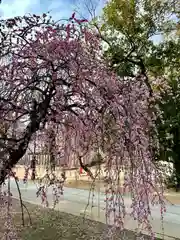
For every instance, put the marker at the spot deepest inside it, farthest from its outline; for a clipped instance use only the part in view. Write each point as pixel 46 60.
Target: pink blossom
pixel 59 84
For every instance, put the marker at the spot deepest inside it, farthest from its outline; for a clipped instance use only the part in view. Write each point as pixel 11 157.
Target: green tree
pixel 131 27
pixel 143 37
pixel 168 124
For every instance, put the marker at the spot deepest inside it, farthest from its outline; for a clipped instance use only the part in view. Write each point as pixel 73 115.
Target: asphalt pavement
pixel 76 201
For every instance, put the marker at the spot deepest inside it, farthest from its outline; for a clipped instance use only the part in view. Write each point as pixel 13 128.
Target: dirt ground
pixel 54 225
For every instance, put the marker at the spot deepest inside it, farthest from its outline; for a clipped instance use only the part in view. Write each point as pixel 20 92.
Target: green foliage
pixel 131 29
pixel 169 125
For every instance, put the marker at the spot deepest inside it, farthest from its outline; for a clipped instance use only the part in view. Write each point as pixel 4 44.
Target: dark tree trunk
pixel 176 149
pixel 52 139
pixel 37 115
pixel 178 187
pixel 177 174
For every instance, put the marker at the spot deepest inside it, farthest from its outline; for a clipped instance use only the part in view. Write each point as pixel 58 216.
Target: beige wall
pixel 70 174
pixel 73 174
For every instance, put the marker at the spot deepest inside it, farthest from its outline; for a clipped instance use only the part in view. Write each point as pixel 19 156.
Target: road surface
pixel 75 201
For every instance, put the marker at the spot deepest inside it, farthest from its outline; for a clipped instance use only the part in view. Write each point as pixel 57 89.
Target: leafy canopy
pixel 132 28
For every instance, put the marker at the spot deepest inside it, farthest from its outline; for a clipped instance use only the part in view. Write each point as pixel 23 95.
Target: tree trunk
pixel 177 174
pixel 176 150
pixel 37 115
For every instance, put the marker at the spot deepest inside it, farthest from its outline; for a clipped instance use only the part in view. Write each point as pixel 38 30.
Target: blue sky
pixel 59 8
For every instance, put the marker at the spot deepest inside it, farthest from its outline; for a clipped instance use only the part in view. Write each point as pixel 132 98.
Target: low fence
pixel 75 174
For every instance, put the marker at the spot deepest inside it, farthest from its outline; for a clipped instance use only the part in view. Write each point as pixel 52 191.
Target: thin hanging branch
pixel 21 202
pixel 20 198
pixel 30 219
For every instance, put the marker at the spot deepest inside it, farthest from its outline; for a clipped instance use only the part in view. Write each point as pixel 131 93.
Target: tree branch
pixel 38 114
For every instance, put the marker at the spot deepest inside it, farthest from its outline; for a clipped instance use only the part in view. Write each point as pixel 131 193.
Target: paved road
pixel 75 201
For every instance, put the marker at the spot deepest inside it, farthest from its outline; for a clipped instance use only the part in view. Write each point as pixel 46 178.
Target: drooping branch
pixel 92 163
pixel 85 168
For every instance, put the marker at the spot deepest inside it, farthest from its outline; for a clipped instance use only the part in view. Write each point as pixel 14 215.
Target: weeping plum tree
pixel 53 77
